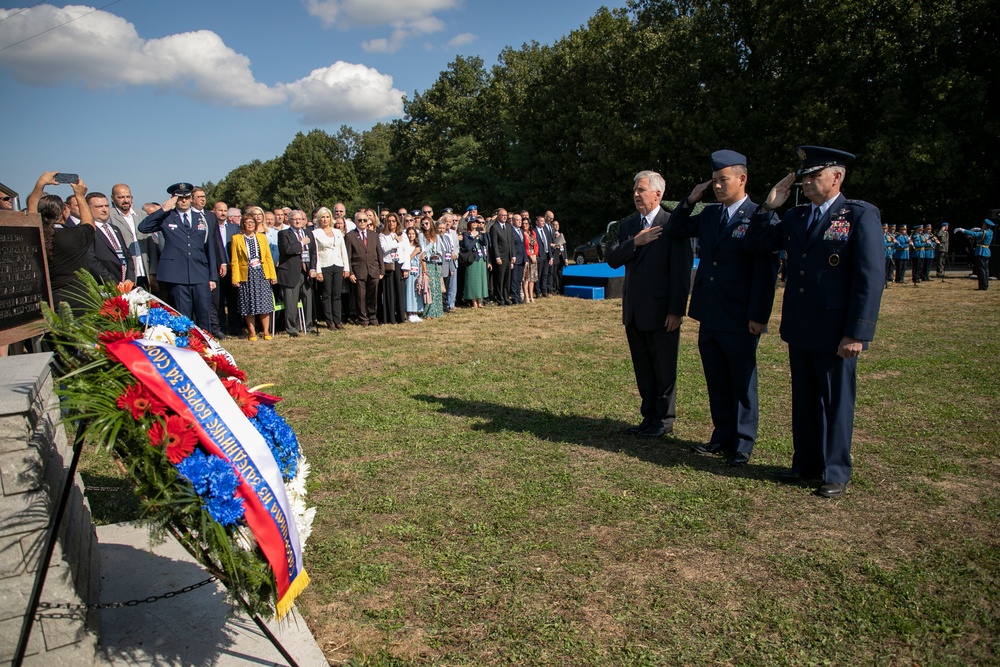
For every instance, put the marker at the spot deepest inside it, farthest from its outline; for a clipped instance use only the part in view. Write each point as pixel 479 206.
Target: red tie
pixel 364 239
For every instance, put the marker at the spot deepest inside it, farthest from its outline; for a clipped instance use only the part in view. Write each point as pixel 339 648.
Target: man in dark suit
pixel 836 271
pixel 657 280
pixel 225 297
pixel 188 256
pixel 296 271
pixel 365 257
pixel 111 261
pixel 546 253
pixel 502 255
pixel 520 257
pixel 732 298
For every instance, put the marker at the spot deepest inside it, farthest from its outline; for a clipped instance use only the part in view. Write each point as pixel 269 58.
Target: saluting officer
pixel 185 264
pixel 834 287
pixel 732 298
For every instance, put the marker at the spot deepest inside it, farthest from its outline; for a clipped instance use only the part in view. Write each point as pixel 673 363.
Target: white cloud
pixel 343 92
pixel 102 50
pixel 352 13
pixel 408 18
pixel 462 39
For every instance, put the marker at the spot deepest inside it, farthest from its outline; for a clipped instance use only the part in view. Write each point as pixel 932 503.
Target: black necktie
pixel 815 219
pixel 725 217
pixel 187 221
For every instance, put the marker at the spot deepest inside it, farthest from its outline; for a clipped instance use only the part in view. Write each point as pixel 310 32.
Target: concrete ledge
pixel 196 628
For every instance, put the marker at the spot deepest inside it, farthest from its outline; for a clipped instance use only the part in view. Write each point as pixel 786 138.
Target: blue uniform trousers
pixel 193 301
pixel 730 363
pixel 824 387
pixel 654 360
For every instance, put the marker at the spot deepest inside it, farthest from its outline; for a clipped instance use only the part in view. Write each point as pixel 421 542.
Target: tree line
pixel 911 87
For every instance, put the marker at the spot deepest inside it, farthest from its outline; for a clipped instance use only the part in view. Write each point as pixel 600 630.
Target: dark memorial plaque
pixel 24 284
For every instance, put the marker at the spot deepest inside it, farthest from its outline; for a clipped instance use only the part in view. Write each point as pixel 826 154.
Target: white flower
pixel 245 538
pixel 295 489
pixel 160 333
pixel 138 302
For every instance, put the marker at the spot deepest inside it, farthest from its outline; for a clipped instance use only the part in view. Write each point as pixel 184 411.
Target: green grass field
pixel 479 504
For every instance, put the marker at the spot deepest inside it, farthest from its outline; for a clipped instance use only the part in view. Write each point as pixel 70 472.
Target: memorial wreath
pixel 211 460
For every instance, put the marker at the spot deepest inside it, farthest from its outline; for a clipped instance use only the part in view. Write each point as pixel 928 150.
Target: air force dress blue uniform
pixel 187 260
pixel 833 290
pixel 732 287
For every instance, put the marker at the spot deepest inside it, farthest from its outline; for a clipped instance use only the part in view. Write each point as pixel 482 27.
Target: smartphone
pixel 67 178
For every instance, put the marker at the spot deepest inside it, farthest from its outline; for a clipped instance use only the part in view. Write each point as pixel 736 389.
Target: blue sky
pixel 150 93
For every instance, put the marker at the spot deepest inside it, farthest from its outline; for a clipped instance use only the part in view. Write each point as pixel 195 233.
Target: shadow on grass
pixel 605 434
pixel 111 498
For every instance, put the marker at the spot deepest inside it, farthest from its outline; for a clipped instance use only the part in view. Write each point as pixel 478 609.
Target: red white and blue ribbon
pixel 181 379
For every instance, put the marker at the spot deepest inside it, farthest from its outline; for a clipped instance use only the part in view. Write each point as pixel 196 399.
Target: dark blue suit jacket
pixel 732 285
pixel 657 275
pixel 520 256
pixel 187 257
pixel 835 273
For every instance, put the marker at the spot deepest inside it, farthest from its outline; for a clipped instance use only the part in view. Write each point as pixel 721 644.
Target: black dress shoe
pixel 218 335
pixel 708 449
pixel 654 430
pixel 293 334
pixel 791 476
pixel 635 430
pixel 738 459
pixel 832 490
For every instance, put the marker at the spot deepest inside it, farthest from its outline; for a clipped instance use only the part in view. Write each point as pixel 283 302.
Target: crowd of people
pixel 236 271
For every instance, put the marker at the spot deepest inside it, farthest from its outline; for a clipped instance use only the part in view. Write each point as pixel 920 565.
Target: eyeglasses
pixel 5 198
pixel 360 219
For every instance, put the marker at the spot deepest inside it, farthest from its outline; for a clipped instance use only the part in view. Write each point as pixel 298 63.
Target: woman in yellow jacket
pixel 253 274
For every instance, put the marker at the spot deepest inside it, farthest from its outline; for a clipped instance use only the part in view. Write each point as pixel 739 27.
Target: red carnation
pixel 267 399
pixel 196 344
pixel 243 397
pixel 225 368
pixel 140 402
pixel 177 436
pixel 108 337
pixel 115 308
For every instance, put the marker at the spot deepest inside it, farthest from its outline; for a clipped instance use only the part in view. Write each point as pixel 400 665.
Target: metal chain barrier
pixel 115 605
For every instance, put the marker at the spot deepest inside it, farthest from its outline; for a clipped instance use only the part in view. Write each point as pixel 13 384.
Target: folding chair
pixel 280 307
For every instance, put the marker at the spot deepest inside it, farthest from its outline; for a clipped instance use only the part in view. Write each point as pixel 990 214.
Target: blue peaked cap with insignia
pixel 989 223
pixel 180 190
pixel 817 158
pixel 727 158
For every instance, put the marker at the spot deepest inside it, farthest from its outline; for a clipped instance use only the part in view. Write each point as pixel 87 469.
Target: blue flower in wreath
pixel 215 482
pixel 281 439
